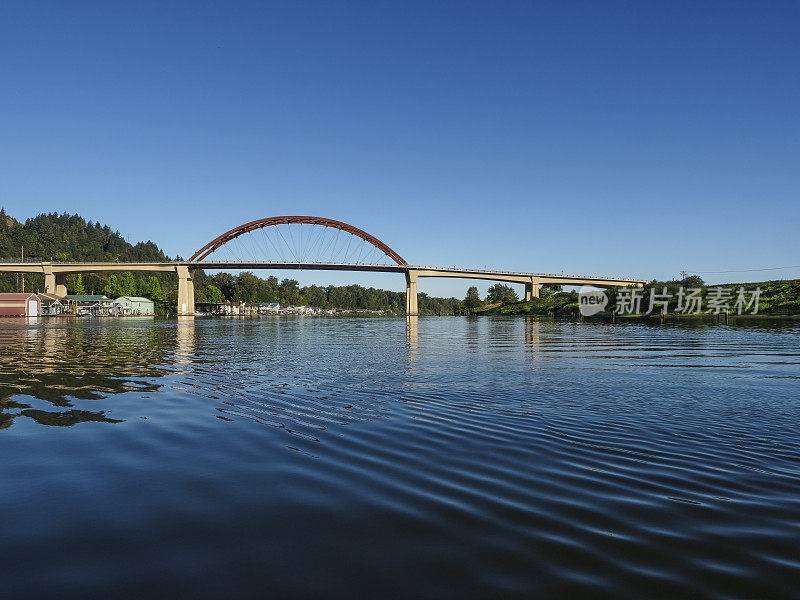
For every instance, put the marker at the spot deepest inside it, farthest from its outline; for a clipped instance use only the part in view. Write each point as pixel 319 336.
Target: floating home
pixel 133 306
pixel 51 304
pixel 88 304
pixel 20 305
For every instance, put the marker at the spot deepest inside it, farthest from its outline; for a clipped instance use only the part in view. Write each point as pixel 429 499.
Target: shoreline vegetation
pixel 66 237
pixel 778 299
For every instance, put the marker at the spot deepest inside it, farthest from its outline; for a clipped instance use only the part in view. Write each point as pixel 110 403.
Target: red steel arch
pixel 269 221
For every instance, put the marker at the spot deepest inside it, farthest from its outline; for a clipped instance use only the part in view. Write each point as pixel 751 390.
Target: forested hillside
pixel 65 237
pixel 61 237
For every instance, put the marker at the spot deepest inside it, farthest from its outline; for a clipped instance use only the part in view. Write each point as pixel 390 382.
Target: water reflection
pixel 185 336
pixel 532 331
pixel 625 461
pixel 412 336
pixel 56 364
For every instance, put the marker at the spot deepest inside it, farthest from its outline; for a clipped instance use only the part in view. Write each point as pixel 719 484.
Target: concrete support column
pixel 411 293
pixel 61 284
pixel 532 289
pixel 49 278
pixel 185 291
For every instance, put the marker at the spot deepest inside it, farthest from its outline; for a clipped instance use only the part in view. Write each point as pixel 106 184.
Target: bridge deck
pixel 419 271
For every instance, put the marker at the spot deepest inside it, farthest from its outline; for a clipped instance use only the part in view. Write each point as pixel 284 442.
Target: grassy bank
pixel 779 298
pixel 549 303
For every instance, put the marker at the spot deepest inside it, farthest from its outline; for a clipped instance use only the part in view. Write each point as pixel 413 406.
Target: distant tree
pixel 128 284
pixel 289 293
pixel 501 293
pixel 226 283
pixel 113 288
pixel 316 296
pixel 248 288
pixel 693 281
pixel 150 288
pixel 123 286
pixel 75 284
pixel 473 300
pixel 214 294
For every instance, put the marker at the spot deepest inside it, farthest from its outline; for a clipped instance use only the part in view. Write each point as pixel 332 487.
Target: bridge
pixel 304 243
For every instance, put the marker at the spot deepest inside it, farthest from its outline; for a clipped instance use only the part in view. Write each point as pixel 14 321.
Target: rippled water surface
pixel 372 458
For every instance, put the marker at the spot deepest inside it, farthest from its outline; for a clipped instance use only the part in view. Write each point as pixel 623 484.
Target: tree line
pixel 247 287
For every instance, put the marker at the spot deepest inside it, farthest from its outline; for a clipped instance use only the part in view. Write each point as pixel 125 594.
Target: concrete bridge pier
pixel 185 291
pixel 61 284
pixel 49 282
pixel 532 289
pixel 411 293
pixel 54 283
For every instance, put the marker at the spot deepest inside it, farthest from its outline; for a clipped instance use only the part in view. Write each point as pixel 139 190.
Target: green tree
pixel 473 300
pixel 127 284
pixel 316 296
pixel 693 281
pixel 554 287
pixel 289 293
pixel 74 284
pixel 226 283
pixel 501 293
pixel 214 294
pixel 248 287
pixel 113 288
pixel 150 288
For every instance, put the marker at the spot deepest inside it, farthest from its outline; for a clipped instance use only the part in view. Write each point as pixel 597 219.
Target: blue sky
pixel 623 138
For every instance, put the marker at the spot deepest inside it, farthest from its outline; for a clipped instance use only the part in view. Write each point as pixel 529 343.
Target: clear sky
pixel 620 138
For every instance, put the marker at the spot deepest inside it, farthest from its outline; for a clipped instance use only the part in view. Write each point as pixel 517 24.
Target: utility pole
pixel 22 259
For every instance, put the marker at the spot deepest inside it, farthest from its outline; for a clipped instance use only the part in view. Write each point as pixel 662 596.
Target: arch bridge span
pixel 55 273
pixel 252 226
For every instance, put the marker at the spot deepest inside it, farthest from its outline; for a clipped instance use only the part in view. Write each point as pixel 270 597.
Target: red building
pixel 20 305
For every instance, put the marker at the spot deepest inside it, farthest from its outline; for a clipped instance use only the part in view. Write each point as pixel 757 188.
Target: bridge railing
pixel 427 268
pixel 88 262
pixel 231 264
pixel 524 273
pixel 290 262
pixel 19 260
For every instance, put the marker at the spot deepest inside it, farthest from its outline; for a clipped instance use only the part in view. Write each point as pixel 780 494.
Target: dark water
pixel 449 458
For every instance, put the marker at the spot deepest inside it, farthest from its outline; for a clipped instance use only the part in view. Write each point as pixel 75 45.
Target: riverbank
pixel 549 304
pixel 777 299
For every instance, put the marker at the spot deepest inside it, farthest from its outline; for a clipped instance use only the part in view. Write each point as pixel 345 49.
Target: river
pixel 381 458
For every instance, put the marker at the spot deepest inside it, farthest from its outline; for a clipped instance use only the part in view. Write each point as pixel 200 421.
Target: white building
pixel 269 308
pixel 133 306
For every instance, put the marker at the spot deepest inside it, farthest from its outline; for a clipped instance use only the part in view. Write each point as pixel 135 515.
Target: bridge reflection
pixel 412 335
